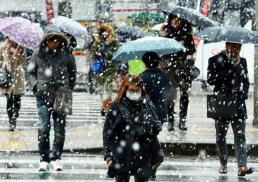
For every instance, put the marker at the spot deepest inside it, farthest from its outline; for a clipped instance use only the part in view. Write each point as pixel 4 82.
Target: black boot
pixel 182 124
pixel 171 125
pixel 12 124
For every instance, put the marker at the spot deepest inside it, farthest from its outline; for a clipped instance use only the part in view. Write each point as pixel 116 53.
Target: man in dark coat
pixel 227 71
pixel 158 85
pixel 52 66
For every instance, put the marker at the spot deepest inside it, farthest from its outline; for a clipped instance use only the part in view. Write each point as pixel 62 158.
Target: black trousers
pixel 13 106
pixel 126 178
pixel 184 102
pixel 238 127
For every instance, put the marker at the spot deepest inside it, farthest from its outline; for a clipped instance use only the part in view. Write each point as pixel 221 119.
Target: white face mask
pixel 133 96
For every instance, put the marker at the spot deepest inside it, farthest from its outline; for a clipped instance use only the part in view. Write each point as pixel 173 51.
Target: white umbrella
pixel 70 26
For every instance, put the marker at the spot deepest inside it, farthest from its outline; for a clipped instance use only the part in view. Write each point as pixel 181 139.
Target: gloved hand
pixel 189 60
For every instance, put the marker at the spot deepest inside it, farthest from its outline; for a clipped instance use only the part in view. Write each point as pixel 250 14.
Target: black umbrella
pixel 190 15
pixel 127 32
pixel 228 34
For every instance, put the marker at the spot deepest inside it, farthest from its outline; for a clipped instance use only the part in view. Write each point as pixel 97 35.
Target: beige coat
pixel 13 64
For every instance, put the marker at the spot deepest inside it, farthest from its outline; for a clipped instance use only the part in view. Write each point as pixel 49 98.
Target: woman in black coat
pixel 130 131
pixel 179 66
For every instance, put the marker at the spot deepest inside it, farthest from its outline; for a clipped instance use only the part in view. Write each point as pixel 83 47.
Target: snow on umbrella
pixel 135 49
pixel 191 15
pixel 22 31
pixel 70 26
pixel 127 32
pixel 228 34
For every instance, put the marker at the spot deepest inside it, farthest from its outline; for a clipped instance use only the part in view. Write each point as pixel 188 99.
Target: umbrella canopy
pixel 128 32
pixel 192 16
pixel 70 26
pixel 22 31
pixel 135 49
pixel 229 34
pixel 136 67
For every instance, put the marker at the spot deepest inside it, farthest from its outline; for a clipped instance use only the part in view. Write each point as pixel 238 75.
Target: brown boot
pixel 242 171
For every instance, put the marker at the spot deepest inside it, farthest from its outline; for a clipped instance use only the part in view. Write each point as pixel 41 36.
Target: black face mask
pixel 45 52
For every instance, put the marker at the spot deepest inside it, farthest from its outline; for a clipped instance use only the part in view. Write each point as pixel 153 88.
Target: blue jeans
pixel 59 120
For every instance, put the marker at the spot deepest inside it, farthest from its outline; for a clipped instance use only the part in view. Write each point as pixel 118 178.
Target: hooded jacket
pixel 50 69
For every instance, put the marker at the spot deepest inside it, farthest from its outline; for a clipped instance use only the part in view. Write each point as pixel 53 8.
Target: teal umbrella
pixel 135 49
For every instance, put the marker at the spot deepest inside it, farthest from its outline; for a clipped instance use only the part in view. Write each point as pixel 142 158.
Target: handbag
pixel 98 66
pixel 5 79
pixel 63 101
pixel 194 73
pixel 221 106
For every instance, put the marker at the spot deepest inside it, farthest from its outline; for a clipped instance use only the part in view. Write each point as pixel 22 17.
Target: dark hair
pixel 186 26
pixel 151 59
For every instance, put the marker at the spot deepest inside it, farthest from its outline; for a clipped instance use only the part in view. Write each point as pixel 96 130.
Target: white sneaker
pixel 43 166
pixel 57 166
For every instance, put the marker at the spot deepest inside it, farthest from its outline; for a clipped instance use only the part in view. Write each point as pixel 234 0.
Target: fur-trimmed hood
pixel 104 27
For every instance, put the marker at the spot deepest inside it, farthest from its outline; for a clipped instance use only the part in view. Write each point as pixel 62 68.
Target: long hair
pixel 129 79
pixel 186 26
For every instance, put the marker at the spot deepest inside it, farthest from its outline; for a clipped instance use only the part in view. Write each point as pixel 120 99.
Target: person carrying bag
pixel 63 101
pixel 12 58
pixel 225 105
pixel 5 79
pixel 227 72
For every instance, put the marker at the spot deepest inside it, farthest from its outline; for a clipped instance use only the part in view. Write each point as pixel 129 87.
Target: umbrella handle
pixel 16 53
pixel 16 50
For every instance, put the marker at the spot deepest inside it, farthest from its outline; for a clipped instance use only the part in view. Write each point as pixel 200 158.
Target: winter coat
pixel 129 133
pixel 178 66
pixel 49 70
pixel 160 90
pixel 13 64
pixel 104 48
pixel 223 75
pixel 182 35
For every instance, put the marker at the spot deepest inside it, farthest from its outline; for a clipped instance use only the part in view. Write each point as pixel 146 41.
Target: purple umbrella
pixel 22 31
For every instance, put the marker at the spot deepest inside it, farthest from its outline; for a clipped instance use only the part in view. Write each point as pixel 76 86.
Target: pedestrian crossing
pixel 86 109
pixel 80 167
